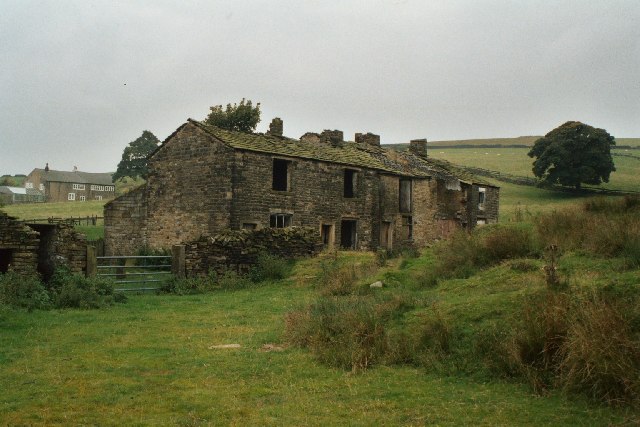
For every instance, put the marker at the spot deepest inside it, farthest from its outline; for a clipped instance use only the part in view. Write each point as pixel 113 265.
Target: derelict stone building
pixel 204 180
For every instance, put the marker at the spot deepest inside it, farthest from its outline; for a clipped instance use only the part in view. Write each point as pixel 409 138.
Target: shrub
pixel 340 332
pixel 336 278
pixel 75 291
pixel 601 355
pixel 24 291
pixel 231 280
pixel 269 267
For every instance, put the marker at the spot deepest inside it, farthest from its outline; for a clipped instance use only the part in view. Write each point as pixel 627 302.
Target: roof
pixel 76 177
pixel 346 153
pixel 20 190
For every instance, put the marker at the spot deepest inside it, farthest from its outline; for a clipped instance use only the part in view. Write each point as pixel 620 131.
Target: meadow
pixel 156 360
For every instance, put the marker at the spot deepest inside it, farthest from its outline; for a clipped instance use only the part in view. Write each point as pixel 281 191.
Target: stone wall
pixel 315 196
pixel 125 222
pixel 189 188
pixel 238 250
pixel 18 246
pixel 60 246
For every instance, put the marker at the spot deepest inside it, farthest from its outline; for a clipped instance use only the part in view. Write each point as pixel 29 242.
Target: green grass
pixel 149 362
pixel 516 162
pixel 520 140
pixel 58 210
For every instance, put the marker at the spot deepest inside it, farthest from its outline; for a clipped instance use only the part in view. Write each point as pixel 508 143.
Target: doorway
pixel 385 235
pixel 6 256
pixel 348 233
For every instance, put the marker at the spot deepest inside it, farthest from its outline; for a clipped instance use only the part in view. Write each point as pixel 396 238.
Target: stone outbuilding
pixel 29 248
pixel 204 180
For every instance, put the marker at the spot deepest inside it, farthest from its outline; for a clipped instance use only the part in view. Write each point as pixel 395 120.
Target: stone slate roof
pixel 346 153
pixel 77 177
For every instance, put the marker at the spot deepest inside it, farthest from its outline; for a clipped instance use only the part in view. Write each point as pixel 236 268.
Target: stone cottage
pixel 204 180
pixel 70 186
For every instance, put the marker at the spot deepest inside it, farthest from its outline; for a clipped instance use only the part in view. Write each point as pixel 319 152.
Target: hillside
pixel 517 142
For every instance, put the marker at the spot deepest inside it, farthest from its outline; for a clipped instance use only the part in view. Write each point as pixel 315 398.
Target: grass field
pixel 516 162
pixel 152 361
pixel 521 140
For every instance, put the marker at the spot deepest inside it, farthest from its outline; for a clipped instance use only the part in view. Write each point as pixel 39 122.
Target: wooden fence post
pixel 178 267
pixel 92 262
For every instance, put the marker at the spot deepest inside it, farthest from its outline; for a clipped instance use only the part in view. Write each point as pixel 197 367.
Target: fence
pixel 80 220
pixel 136 273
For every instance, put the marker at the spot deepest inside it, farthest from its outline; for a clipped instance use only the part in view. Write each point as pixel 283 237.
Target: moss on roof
pixel 346 153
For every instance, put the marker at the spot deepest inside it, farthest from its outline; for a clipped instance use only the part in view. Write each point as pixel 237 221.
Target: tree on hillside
pixel 135 157
pixel 243 117
pixel 572 154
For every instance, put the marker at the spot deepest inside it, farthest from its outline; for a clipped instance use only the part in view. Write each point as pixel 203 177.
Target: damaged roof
pixel 346 153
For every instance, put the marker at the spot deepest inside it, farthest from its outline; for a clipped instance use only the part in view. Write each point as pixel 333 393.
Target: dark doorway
pixel 6 256
pixel 46 250
pixel 349 183
pixel 280 180
pixel 348 233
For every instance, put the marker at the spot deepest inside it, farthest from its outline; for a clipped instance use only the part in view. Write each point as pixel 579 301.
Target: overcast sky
pixel 81 79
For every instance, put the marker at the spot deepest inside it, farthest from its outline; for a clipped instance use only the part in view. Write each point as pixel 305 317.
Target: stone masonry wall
pixel 238 250
pixel 315 196
pixel 125 223
pixel 189 188
pixel 18 246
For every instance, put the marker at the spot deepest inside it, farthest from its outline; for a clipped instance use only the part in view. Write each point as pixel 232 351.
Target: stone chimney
pixel 368 138
pixel 310 137
pixel 418 147
pixel 46 168
pixel 275 127
pixel 332 136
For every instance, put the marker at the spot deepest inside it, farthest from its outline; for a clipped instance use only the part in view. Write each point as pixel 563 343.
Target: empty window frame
pixel 71 196
pixel 326 234
pixel 405 195
pixel 280 220
pixel 482 195
pixel 249 226
pixel 350 181
pixel 281 177
pixel 407 227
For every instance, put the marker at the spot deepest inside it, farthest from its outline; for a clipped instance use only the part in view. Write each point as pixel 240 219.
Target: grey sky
pixel 79 80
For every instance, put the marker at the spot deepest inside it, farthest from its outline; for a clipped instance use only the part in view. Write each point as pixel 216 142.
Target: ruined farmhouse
pixel 70 186
pixel 204 180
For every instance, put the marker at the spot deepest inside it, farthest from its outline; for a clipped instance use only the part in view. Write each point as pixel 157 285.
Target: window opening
pixel 280 175
pixel 249 226
pixel 405 195
pixel 481 197
pixel 280 220
pixel 326 234
pixel 350 176
pixel 407 227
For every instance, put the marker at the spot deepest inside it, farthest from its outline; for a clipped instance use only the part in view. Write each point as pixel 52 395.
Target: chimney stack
pixel 46 168
pixel 332 136
pixel 276 127
pixel 75 169
pixel 418 147
pixel 368 138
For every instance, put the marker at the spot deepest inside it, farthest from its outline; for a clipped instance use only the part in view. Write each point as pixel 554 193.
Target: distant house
pixel 74 186
pixel 11 195
pixel 204 180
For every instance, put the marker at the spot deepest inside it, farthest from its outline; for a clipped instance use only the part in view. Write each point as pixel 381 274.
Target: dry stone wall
pixel 238 250
pixel 18 246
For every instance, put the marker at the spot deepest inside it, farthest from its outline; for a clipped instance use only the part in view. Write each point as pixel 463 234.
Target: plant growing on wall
pixel 242 117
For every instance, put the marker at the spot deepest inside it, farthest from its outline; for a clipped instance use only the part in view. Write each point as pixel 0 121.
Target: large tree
pixel 135 157
pixel 573 154
pixel 243 117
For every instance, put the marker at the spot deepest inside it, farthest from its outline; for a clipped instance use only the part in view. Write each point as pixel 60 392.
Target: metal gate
pixel 135 273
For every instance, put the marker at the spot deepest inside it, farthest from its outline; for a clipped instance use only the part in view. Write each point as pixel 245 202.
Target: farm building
pixel 31 247
pixel 11 195
pixel 74 186
pixel 204 180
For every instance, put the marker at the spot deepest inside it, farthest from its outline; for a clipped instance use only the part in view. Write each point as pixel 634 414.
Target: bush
pixel 75 291
pixel 335 278
pixel 341 332
pixel 231 280
pixel 192 285
pixel 24 291
pixel 270 267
